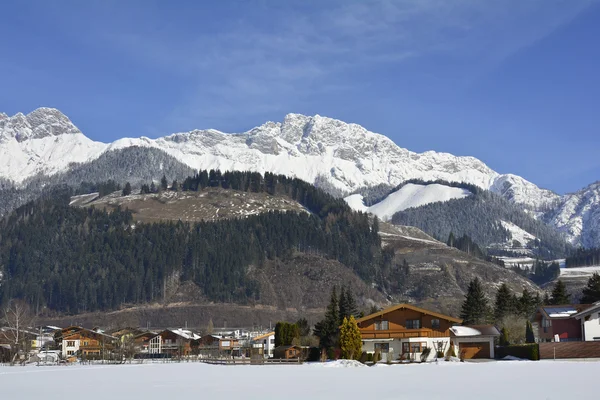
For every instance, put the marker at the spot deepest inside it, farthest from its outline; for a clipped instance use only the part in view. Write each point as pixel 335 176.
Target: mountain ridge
pixel 317 149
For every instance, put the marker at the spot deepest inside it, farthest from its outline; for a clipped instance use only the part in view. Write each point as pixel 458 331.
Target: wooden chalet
pixel 405 331
pixel 287 352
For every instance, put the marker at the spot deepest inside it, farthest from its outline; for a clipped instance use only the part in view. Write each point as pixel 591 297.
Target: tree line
pixel 583 258
pixel 82 259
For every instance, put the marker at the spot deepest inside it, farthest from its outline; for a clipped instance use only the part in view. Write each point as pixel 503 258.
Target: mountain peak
pixel 40 123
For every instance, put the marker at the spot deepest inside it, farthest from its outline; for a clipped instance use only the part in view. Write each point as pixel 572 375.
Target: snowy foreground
pixel 489 380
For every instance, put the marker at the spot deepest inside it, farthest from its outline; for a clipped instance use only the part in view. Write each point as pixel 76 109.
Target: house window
pixel 382 347
pixel 85 343
pixel 435 323
pixel 413 324
pixel 382 325
pixel 546 323
pixel 70 343
pixel 272 341
pixel 405 348
pixel 70 352
pixel 415 347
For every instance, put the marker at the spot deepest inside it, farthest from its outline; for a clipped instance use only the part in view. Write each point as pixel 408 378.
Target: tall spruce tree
pixel 475 308
pixel 528 303
pixel 347 304
pixel 591 293
pixel 327 330
pixel 504 304
pixel 559 294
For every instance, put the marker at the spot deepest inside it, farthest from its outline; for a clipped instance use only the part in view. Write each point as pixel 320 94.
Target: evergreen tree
pixel 153 188
pixel 164 184
pixel 127 189
pixel 327 330
pixel 285 333
pixel 529 336
pixel 450 241
pixel 350 339
pixel 504 304
pixel 347 304
pixel 475 308
pixel 175 186
pixel 528 303
pixel 591 293
pixel 546 301
pixel 559 294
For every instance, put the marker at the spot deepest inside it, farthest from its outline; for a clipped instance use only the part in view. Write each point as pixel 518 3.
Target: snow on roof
pixel 186 334
pixel 474 330
pixel 465 331
pixel 560 312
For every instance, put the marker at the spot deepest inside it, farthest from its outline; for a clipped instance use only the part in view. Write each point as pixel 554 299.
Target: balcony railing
pixel 401 333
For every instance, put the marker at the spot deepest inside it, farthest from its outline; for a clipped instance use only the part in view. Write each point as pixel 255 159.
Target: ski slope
pixel 408 196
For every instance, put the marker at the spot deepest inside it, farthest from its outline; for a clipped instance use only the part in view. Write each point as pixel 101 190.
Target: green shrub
pixel 526 351
pixel 369 357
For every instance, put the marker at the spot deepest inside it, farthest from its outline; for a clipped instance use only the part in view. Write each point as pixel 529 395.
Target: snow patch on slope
pixel 408 196
pixel 517 233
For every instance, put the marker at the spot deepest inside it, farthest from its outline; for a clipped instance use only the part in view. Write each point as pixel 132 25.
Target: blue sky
pixel 515 83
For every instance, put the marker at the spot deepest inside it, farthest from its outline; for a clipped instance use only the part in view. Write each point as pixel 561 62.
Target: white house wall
pixel 591 328
pixel 396 346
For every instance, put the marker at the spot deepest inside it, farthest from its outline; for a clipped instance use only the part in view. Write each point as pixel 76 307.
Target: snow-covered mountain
pixel 315 149
pixel 409 195
pixel 347 155
pixel 578 216
pixel 44 142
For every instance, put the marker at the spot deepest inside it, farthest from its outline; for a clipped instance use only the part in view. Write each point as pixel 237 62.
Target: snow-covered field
pixel 409 195
pixel 488 380
pixel 578 272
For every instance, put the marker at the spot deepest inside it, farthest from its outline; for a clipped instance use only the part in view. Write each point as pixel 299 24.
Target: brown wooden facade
pixel 399 322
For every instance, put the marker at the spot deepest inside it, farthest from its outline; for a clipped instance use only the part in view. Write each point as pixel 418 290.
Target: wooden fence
pixel 563 350
pixel 249 361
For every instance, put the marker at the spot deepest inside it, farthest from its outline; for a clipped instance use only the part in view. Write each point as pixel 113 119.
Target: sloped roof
pixel 562 311
pixel 474 330
pixel 587 311
pixel 410 307
pixel 263 336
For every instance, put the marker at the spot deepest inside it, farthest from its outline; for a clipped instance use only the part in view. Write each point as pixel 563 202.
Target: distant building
pixel 558 322
pixel 77 341
pixel 265 344
pixel 287 352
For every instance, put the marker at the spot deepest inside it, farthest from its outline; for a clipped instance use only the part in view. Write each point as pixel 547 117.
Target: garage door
pixel 475 350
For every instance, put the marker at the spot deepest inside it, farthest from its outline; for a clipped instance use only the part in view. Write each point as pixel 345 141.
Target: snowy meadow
pixel 489 380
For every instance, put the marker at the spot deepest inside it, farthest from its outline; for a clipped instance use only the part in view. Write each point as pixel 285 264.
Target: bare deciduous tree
pixel 16 317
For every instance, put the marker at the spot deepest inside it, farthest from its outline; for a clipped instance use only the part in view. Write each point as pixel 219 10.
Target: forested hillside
pixel 480 216
pixel 584 258
pixel 82 259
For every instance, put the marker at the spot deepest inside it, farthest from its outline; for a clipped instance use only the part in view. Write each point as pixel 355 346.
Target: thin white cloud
pixel 256 65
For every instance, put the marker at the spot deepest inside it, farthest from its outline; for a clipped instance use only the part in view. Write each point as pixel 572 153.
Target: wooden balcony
pixel 402 333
